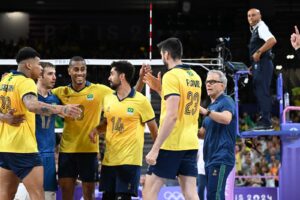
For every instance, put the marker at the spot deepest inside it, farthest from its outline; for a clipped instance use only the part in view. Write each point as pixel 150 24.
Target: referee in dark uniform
pixel 260 45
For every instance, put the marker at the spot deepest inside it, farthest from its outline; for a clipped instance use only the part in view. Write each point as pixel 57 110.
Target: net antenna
pixel 147 88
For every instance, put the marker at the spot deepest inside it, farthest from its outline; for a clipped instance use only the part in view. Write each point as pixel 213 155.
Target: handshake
pixel 70 110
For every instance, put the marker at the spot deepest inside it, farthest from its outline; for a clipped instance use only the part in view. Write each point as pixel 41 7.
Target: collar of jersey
pixel 183 66
pixel 49 94
pixel 219 98
pixel 130 95
pixel 15 72
pixel 87 83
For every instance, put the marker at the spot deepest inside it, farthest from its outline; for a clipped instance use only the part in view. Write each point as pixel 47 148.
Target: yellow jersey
pixel 20 139
pixel 75 137
pixel 125 128
pixel 186 83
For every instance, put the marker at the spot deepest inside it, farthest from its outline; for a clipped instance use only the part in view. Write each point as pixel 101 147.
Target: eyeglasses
pixel 212 82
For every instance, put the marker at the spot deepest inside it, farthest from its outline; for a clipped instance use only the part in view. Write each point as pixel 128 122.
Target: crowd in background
pixel 260 158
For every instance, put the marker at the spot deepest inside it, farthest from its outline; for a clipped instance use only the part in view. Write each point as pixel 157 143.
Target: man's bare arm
pixel 33 105
pixel 153 82
pixel 265 47
pixel 144 70
pixel 223 117
pixel 166 128
pixel 101 128
pixel 153 128
pixel 201 133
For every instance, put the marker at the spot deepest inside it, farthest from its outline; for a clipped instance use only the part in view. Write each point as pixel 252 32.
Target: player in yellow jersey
pixel 126 112
pixel 174 152
pixel 19 158
pixel 77 155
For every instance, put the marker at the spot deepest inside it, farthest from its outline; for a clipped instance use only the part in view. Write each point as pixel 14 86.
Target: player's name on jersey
pixel 6 88
pixel 192 83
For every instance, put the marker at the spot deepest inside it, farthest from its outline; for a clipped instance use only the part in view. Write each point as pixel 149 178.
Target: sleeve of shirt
pixel 105 90
pixel 264 32
pixel 27 87
pixel 60 91
pixel 147 112
pixel 170 85
pixel 228 105
pixel 55 91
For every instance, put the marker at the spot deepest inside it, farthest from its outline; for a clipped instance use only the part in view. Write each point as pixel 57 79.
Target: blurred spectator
pixel 240 181
pixel 238 158
pixel 247 165
pixel 270 182
pixel 274 171
pixel 248 121
pixel 256 181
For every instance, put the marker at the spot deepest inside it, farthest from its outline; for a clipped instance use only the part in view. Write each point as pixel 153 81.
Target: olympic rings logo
pixel 173 196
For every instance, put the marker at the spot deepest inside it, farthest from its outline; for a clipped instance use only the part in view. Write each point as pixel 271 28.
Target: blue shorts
pixel 20 163
pixel 120 179
pixel 50 182
pixel 78 165
pixel 170 164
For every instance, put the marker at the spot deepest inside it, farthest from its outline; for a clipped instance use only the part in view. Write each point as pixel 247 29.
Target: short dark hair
pixel 76 58
pixel 46 64
pixel 124 67
pixel 26 53
pixel 173 46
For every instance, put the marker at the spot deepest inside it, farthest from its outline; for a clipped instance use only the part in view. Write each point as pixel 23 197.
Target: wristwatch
pixel 208 112
pixel 258 52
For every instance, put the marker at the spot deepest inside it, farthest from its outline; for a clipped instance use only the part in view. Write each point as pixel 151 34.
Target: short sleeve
pixel 104 90
pixel 55 91
pixel 264 32
pixel 170 85
pixel 28 86
pixel 228 105
pixel 147 113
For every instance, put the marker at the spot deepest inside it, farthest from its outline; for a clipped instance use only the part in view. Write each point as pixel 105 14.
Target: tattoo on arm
pixel 29 97
pixel 33 105
pixel 45 110
pixel 65 110
pixel 29 100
